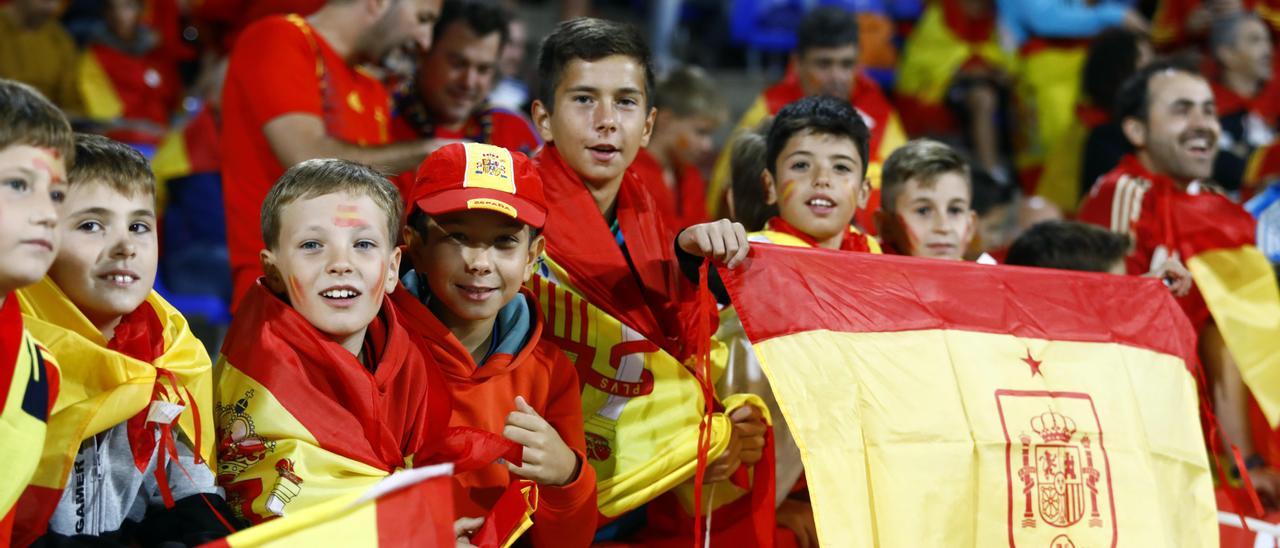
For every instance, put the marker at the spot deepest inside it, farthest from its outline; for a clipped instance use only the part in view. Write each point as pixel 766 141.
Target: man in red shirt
pixel 447 101
pixel 294 92
pixel 1160 196
pixel 1248 103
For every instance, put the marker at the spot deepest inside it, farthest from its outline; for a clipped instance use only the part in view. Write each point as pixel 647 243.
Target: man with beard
pixel 1161 197
pixel 294 92
pixel 447 99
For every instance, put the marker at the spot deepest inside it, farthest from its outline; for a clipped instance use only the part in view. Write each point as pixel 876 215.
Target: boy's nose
pixel 477 260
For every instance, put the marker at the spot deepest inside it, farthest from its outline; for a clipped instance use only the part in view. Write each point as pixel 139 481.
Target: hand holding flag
pixel 547 459
pixel 1174 275
pixel 746 444
pixel 722 241
pixel 463 528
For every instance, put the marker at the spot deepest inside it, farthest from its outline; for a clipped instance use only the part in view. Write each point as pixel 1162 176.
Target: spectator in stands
pixel 306 99
pixel 824 63
pixel 1248 108
pixel 35 49
pixel 511 92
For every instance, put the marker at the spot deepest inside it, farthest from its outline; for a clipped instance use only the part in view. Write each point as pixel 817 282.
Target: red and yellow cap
pixel 468 176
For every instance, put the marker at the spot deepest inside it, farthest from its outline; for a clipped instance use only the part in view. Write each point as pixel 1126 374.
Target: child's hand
pixel 797 515
pixel 463 529
pixel 723 241
pixel 1174 275
pixel 547 460
pixel 746 444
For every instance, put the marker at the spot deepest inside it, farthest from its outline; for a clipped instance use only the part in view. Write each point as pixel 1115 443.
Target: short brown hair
pixel 27 118
pixel 1068 245
pixel 589 39
pixel 923 160
pixel 112 163
pixel 324 176
pixel 688 92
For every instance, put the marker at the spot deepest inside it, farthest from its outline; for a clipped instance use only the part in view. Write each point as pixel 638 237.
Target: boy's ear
pixel 393 272
pixel 648 126
pixel 542 120
pixel 271 275
pixel 1135 131
pixel 536 247
pixel 864 193
pixel 770 188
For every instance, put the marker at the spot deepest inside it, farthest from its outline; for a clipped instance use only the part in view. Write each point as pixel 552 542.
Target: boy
pixel 35 141
pixel 925 197
pixel 623 311
pixel 1072 245
pixel 746 196
pixel 474 239
pixel 815 172
pixel 119 473
pixel 321 391
pixel 690 111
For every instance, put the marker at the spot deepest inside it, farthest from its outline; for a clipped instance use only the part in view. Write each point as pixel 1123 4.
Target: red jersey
pixel 484 394
pixel 1164 219
pixel 303 75
pixel 683 206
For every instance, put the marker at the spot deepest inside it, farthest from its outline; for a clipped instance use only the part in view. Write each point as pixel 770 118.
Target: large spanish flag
pixel 947 404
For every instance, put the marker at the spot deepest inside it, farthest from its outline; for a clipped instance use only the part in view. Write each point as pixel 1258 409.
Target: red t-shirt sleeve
pixel 566 515
pixel 275 66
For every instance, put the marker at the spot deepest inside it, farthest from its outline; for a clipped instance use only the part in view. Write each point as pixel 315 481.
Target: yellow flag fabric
pixel 28 383
pixel 1239 286
pixel 408 508
pixel 944 404
pixel 641 406
pixel 101 102
pixel 101 388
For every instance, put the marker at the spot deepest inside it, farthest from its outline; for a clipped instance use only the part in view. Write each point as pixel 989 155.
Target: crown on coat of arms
pixel 1053 427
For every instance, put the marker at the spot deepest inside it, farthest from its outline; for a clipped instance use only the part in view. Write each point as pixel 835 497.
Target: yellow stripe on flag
pixel 1239 286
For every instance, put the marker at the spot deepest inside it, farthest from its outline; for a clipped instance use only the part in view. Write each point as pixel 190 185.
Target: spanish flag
pixel 408 508
pixel 102 387
pixel 950 404
pixel 28 387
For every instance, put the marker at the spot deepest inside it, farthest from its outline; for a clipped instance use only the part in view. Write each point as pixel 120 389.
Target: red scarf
pixel 852 241
pixel 654 298
pixel 10 342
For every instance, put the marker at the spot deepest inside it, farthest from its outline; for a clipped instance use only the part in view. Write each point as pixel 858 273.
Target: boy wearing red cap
pixel 473 237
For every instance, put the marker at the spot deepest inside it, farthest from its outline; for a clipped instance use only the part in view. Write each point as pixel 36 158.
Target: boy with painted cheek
pixel 815 175
pixel 925 197
pixel 474 239
pixel 35 143
pixel 321 391
pixel 118 341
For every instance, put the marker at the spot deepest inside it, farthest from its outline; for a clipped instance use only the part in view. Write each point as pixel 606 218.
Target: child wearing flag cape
pixel 131 435
pixel 35 144
pixel 613 295
pixel 321 391
pixel 473 237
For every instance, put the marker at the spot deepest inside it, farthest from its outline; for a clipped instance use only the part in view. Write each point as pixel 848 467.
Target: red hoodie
pixel 484 395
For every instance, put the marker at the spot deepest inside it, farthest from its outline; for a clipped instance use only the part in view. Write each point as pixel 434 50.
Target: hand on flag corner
pixel 463 528
pixel 723 241
pixel 746 444
pixel 547 459
pixel 1174 275
pixel 797 516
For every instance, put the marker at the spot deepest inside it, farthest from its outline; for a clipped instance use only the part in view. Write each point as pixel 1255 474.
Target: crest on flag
pixel 1058 473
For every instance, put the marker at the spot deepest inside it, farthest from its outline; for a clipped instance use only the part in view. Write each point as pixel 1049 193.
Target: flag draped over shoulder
pixel 1050 406
pixel 409 508
pixel 101 388
pixel 28 386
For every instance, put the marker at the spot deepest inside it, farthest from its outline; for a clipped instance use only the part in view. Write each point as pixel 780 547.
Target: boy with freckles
pixel 127 452
pixel 321 391
pixel 35 143
pixel 613 294
pixel 474 238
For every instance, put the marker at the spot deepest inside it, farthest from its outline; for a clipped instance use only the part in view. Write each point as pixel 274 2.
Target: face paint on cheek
pixel 380 288
pixel 912 241
pixel 787 188
pixel 295 289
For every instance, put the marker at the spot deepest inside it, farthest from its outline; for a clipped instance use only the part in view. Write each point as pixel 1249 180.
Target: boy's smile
pixel 601 117
pixel 107 263
pixel 335 263
pixel 818 185
pixel 31 180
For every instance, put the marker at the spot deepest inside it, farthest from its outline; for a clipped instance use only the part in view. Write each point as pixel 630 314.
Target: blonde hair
pixel 321 177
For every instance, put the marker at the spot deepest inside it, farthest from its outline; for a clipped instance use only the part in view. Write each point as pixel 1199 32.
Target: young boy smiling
pixel 119 342
pixel 474 238
pixel 320 390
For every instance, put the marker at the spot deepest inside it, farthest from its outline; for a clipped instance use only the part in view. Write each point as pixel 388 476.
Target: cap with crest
pixel 477 176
